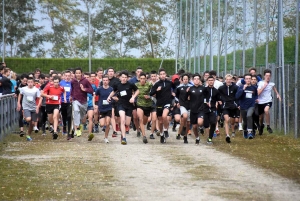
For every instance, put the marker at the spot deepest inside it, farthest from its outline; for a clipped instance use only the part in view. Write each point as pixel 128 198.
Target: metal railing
pixel 8 114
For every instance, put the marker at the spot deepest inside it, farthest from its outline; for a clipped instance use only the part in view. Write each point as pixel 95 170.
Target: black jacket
pixel 227 94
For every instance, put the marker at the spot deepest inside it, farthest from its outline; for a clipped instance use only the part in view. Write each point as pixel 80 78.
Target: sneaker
pixel 106 140
pixel 261 129
pixel 162 139
pixel 183 132
pixel 124 142
pixel 145 140
pixel 64 132
pixel 22 133
pixel 250 136
pixel 152 137
pixel 91 136
pixel 209 141
pixel 241 127
pixel 115 134
pixel 28 138
pixel 228 139
pixel 103 129
pixel 157 133
pixel 232 134
pixel 178 137
pixel 148 126
pixel 138 134
pixel 43 134
pixel 69 137
pixel 197 142
pixel 185 141
pixel 96 129
pixel 269 129
pixel 78 133
pixel 72 134
pixel 166 134
pixel 217 132
pixel 85 127
pixel 36 130
pixel 245 133
pixel 174 129
pixel 201 130
pixel 55 136
pixel 51 129
pixel 81 127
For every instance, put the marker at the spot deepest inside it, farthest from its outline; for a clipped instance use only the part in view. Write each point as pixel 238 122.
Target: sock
pixel 198 138
pixel 227 135
pixel 240 124
pixel 165 129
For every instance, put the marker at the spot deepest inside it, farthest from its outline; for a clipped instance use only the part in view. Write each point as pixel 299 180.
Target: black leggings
pixel 210 118
pixel 66 113
pixel 42 118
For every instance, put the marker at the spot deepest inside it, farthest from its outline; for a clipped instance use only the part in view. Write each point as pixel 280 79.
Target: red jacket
pixel 77 93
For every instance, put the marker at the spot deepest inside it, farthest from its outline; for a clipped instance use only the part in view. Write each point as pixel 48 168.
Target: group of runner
pixel 145 101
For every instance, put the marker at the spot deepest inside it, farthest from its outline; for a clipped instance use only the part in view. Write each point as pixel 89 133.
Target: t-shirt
pixel 14 85
pixel 52 91
pixel 144 90
pixel 90 96
pixel 29 97
pixel 125 92
pixel 266 95
pixel 103 104
pixel 67 87
pixel 6 85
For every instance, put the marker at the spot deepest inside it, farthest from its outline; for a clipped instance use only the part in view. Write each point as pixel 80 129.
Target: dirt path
pixel 172 171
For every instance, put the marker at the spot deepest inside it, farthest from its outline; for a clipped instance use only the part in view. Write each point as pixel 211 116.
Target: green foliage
pixel 26 65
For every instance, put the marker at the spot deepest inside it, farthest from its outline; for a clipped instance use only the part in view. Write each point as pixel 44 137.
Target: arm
pixel 153 89
pixel 260 89
pixel 19 102
pixel 278 95
pixel 240 92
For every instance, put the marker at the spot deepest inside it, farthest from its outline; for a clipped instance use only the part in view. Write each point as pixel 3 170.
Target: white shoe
pixel 106 140
pixel 241 128
pixel 36 130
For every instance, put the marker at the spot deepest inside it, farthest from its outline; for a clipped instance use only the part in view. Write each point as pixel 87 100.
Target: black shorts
pixel 153 108
pixel 116 111
pixel 219 110
pixel 195 116
pixel 261 107
pixel 51 107
pixel 127 110
pixel 160 109
pixel 147 110
pixel 209 119
pixel 175 111
pixel 105 114
pixel 233 113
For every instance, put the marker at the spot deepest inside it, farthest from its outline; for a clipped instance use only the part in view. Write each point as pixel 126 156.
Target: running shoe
pixel 245 133
pixel 28 138
pixel 138 134
pixel 22 133
pixel 232 134
pixel 91 136
pixel 152 136
pixel 85 127
pixel 166 134
pixel 269 129
pixel 36 130
pixel 174 129
pixel 228 139
pixel 183 132
pixel 178 137
pixel 64 132
pixel 148 126
pixel 201 130
pixel 124 142
pixel 157 133
pixel 55 136
pixel 209 141
pixel 51 129
pixel 69 137
pixel 81 127
pixel 72 133
pixel 250 136
pixel 44 133
pixel 106 140
pixel 145 140
pixel 103 129
pixel 162 139
pixel 78 132
pixel 115 134
pixel 217 132
pixel 240 127
pixel 197 142
pixel 185 141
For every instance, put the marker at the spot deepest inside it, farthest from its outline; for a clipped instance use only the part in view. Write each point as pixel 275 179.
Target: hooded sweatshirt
pixel 77 93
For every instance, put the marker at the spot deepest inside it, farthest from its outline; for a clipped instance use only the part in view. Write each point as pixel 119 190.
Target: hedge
pixel 25 65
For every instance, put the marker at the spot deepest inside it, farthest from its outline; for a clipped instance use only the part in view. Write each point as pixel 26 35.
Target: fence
pixel 8 114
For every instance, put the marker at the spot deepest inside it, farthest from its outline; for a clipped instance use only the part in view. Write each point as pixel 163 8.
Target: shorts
pixel 153 108
pixel 219 110
pixel 176 111
pixel 31 113
pixel 51 107
pixel 261 107
pixel 147 110
pixel 127 110
pixel 90 108
pixel 195 116
pixel 209 119
pixel 159 110
pixel 105 114
pixel 233 113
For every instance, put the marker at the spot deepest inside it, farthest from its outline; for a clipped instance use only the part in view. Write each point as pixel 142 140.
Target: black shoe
pixel 55 136
pixel 148 126
pixel 201 130
pixel 221 124
pixel 166 134
pixel 185 141
pixel 228 139
pixel 197 142
pixel 178 137
pixel 133 127
pixel 162 139
pixel 72 134
pixel 22 133
pixel 174 129
pixel 145 140
pixel 138 134
pixel 69 137
pixel 152 137
pixel 269 129
pixel 183 132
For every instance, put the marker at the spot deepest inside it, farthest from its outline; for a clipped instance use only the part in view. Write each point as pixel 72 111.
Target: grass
pixel 41 171
pixel 275 152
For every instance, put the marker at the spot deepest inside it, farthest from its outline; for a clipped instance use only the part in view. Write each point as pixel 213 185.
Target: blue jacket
pixel 246 97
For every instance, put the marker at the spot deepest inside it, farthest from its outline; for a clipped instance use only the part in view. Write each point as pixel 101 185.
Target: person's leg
pixel 69 117
pixel 122 122
pixel 64 113
pixel 107 122
pixel 113 120
pixel 165 122
pixel 135 120
pixel 21 123
pixel 250 112
pixel 153 126
pixel 90 114
pixel 55 119
pixel 212 121
pixel 76 114
pixel 140 116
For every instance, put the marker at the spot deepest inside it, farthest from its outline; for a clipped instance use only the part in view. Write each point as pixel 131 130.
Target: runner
pixel 125 102
pixel 230 107
pixel 264 90
pixel 29 94
pixel 22 84
pixel 153 115
pixel 66 107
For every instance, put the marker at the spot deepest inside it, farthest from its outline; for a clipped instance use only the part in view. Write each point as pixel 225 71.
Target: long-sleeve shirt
pixel 77 93
pixel 247 97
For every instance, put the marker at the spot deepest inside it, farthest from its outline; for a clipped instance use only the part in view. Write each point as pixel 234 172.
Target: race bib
pixel 248 95
pixel 105 102
pixel 67 89
pixel 55 97
pixel 123 93
pixel 30 98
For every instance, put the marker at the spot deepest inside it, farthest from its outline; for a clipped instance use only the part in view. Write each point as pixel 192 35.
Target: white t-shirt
pixel 29 96
pixel 266 94
pixel 217 84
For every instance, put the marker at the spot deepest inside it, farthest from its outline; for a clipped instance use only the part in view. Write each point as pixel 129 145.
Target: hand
pixel 70 99
pixel 131 100
pixel 173 94
pixel 278 96
pixel 187 89
pixel 115 98
pixel 52 97
pixel 65 101
pixel 158 88
pixel 18 107
pixel 146 96
pixel 108 99
pixel 82 88
pixel 220 102
pixel 245 86
pixel 208 104
pixel 265 85
pixel 37 110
